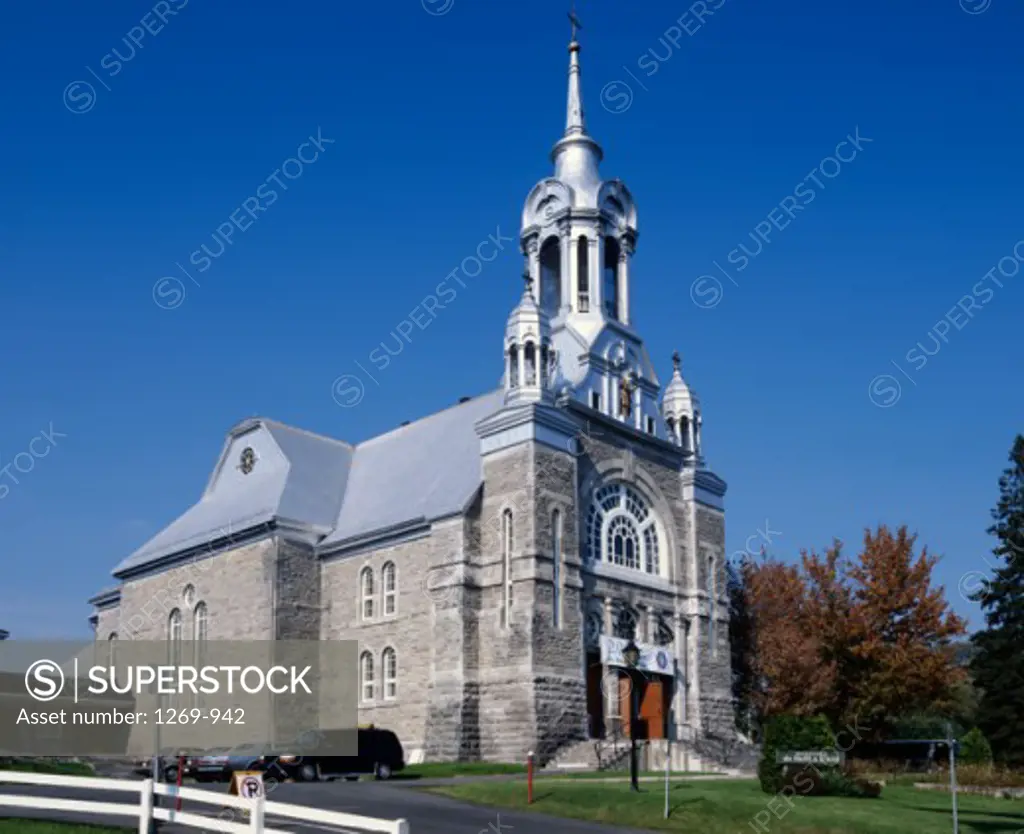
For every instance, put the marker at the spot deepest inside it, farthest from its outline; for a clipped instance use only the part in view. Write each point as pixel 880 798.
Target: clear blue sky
pixel 441 124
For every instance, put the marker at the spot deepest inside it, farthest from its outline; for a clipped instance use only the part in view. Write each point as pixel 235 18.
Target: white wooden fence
pixel 246 816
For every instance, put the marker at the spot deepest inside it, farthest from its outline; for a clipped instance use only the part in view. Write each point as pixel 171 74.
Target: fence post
pixel 256 814
pixel 529 778
pixel 146 807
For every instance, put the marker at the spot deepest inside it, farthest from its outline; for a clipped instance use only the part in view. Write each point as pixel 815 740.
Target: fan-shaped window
pixel 610 284
pixel 623 544
pixel 389 577
pixel 622 530
pixel 583 273
pixel 366 677
pixel 366 587
pixel 550 277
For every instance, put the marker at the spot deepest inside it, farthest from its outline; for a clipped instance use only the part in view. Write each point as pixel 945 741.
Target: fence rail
pixel 142 807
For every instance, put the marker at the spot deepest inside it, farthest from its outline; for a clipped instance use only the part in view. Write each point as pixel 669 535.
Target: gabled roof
pixel 423 471
pixel 426 470
pixel 299 478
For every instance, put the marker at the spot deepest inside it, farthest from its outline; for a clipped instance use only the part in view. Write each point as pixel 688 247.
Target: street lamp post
pixel 631 654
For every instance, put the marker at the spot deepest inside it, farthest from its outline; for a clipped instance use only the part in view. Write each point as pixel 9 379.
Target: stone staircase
pixel 604 754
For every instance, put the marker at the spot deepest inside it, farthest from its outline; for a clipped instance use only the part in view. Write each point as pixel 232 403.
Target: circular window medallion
pixel 247 462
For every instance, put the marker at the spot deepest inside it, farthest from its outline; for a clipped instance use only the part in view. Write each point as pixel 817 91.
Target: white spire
pixel 576 155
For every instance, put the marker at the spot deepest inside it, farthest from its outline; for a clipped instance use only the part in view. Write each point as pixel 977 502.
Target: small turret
pixel 528 354
pixel 681 409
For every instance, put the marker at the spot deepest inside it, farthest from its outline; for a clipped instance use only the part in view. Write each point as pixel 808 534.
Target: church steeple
pixel 576 155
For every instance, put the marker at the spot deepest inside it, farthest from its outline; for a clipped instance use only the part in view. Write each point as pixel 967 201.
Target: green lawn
pixel 442 770
pixel 34 827
pixel 49 766
pixel 623 774
pixel 730 807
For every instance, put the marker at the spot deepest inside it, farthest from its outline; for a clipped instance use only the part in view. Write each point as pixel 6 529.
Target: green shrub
pixel 975 749
pixel 789 732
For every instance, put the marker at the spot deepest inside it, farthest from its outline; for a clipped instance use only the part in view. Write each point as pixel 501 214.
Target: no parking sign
pixel 247 784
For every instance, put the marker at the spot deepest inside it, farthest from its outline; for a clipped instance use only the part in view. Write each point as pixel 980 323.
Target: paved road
pixel 426 813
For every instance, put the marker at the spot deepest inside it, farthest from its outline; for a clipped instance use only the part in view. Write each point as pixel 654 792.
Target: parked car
pixel 208 766
pixel 168 764
pixel 380 754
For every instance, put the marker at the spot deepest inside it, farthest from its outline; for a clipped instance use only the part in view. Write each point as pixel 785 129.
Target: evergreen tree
pixel 998 666
pixel 741 645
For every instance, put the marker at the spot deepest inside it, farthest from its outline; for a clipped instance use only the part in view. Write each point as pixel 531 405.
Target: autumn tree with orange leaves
pixel 858 640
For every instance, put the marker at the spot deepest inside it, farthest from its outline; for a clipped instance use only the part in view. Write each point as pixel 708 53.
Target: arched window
pixel 389 578
pixel 622 530
pixel 513 367
pixel 712 627
pixel 556 559
pixel 625 624
pixel 174 637
pixel 112 649
pixel 610 283
pixel 389 661
pixel 506 567
pixel 188 595
pixel 530 364
pixel 583 273
pixel 684 433
pixel 366 677
pixel 550 277
pixel 366 588
pixel 199 631
pixel 544 360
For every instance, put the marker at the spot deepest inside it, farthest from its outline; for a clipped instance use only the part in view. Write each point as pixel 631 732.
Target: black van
pixel 380 754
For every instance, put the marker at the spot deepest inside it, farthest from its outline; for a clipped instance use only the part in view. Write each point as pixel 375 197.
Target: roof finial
pixel 676 360
pixel 574 120
pixel 575 21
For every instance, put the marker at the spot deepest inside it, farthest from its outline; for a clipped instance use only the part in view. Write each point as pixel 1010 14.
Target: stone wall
pixel 409 631
pixel 236 585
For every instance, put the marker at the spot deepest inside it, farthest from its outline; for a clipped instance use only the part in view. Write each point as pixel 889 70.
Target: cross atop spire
pixel 528 281
pixel 575 21
pixel 676 360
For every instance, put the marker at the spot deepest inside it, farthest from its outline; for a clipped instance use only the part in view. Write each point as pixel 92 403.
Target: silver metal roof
pixel 426 470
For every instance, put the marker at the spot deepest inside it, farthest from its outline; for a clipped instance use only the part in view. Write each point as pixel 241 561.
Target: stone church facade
pixel 492 560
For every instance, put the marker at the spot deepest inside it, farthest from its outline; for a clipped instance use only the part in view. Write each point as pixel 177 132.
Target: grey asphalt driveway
pixel 425 812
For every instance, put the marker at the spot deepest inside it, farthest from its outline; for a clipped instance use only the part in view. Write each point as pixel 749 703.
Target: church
pixel 494 559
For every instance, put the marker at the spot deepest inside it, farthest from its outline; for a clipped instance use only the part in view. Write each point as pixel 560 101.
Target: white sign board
pixel 653 658
pixel 819 757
